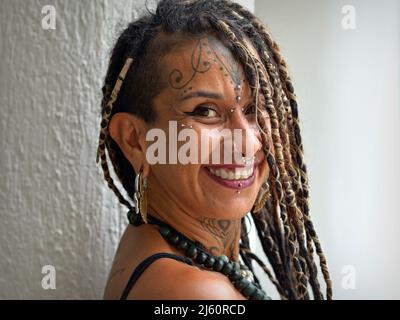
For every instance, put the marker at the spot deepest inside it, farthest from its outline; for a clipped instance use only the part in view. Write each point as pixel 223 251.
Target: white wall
pixel 347 82
pixel 54 204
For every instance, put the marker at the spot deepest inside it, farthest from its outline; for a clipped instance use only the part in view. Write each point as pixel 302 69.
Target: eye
pixel 203 111
pixel 250 110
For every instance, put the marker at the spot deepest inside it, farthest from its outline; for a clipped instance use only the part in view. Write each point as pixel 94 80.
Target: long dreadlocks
pixel 283 224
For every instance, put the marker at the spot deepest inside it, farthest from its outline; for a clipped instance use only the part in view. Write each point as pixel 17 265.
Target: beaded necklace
pixel 239 274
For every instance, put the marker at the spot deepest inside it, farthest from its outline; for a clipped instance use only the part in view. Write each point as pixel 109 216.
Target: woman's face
pixel 203 82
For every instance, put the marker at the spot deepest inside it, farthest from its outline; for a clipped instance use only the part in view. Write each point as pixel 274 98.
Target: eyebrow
pixel 202 93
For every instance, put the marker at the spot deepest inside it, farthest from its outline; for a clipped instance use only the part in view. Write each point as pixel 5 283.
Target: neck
pixel 219 236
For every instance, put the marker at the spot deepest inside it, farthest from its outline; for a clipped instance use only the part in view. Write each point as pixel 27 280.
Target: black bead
pixel 227 268
pixel 257 295
pixel 165 231
pixel 224 258
pixel 249 290
pixel 173 238
pixel 235 275
pixel 289 86
pixel 134 219
pixel 295 110
pixel 244 267
pixel 218 265
pixel 241 284
pixel 201 257
pixel 183 244
pixel 209 262
pixel 191 251
pixel 236 266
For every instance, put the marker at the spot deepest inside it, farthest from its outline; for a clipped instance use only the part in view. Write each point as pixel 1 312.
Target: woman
pixel 210 68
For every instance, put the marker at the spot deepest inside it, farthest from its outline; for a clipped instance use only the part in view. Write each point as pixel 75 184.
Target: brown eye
pixel 250 110
pixel 203 111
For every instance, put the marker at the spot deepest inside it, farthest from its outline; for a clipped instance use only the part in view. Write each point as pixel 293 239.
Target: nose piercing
pixel 184 125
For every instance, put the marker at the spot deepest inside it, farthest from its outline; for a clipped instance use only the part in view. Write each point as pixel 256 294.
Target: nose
pixel 246 137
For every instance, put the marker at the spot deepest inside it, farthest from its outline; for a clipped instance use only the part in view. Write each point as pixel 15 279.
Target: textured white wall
pixel 347 82
pixel 55 207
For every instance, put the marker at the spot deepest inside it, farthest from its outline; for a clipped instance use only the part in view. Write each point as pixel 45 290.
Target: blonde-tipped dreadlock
pixel 284 226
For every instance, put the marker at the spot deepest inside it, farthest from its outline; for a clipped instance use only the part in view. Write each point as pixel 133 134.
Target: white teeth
pixel 238 174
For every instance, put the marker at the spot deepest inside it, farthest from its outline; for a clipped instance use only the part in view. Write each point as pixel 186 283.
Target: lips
pixel 234 177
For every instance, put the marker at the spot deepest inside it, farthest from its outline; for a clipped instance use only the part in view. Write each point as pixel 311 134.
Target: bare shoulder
pixel 169 279
pixel 165 278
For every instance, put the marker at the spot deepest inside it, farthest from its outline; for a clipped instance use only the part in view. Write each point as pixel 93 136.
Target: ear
pixel 129 132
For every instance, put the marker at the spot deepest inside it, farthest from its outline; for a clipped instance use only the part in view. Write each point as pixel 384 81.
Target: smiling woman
pixel 210 67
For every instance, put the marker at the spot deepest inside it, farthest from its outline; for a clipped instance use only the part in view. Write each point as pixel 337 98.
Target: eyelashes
pixel 205 111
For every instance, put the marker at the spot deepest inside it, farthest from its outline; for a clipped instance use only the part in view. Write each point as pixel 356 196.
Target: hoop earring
pixel 262 198
pixel 140 195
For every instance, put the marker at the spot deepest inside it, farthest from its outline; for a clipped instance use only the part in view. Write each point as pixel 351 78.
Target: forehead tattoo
pixel 207 53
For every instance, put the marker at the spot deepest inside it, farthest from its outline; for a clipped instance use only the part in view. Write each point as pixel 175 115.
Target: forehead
pixel 204 62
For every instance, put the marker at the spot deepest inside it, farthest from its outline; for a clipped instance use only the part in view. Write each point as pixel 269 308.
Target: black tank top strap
pixel 144 264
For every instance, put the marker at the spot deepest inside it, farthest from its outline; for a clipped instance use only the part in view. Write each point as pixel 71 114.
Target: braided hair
pixel 283 224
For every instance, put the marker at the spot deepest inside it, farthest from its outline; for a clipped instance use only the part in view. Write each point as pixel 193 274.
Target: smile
pixel 234 177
